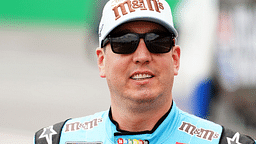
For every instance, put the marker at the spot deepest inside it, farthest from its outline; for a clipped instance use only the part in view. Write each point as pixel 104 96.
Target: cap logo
pixel 135 4
pixel 100 29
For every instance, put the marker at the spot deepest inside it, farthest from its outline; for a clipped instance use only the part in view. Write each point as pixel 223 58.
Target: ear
pixel 101 61
pixel 176 59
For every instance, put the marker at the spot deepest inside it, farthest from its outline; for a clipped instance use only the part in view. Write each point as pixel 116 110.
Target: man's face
pixel 141 76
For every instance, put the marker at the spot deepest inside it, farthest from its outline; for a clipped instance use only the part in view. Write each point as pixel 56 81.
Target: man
pixel 139 59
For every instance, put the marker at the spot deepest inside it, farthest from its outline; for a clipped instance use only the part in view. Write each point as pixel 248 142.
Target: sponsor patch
pixel 84 143
pixel 132 141
pixel 75 126
pixel 199 132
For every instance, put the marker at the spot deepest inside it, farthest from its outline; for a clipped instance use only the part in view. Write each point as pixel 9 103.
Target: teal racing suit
pixel 175 127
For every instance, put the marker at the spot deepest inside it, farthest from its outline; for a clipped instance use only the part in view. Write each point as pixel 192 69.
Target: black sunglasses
pixel 128 43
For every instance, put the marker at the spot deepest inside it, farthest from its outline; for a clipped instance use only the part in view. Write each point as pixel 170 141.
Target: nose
pixel 142 55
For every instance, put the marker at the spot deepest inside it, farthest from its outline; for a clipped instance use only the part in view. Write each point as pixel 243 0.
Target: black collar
pixel 123 132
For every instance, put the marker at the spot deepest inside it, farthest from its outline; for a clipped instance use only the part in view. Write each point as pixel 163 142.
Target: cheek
pixel 116 65
pixel 166 64
pixel 167 70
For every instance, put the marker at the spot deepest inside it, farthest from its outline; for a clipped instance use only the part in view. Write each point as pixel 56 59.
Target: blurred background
pixel 48 68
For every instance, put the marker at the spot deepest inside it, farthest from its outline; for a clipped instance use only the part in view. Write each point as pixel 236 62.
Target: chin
pixel 144 97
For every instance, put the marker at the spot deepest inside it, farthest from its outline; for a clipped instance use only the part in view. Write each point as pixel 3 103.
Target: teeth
pixel 141 76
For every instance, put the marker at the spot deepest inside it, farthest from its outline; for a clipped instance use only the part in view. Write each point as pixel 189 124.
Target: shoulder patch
pixel 202 133
pixel 230 137
pixel 49 135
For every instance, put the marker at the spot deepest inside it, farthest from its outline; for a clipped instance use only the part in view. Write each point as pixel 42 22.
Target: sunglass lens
pixel 125 44
pixel 158 43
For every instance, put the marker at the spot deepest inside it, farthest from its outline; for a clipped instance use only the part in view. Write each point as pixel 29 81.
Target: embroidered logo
pixel 75 126
pixel 134 5
pixel 100 29
pixel 132 141
pixel 47 134
pixel 199 132
pixel 234 140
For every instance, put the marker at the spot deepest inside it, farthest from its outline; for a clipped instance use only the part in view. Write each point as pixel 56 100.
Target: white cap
pixel 117 12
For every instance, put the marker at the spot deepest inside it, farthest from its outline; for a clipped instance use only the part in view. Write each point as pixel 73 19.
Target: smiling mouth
pixel 141 76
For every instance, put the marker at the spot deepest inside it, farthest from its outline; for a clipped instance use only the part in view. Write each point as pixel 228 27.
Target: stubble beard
pixel 142 103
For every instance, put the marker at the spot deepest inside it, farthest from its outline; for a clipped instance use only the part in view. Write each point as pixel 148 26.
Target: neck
pixel 139 119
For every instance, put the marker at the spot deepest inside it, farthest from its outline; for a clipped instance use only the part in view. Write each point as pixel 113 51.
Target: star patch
pixel 234 140
pixel 47 134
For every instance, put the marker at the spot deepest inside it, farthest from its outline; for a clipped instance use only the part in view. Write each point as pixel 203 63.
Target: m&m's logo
pixel 132 5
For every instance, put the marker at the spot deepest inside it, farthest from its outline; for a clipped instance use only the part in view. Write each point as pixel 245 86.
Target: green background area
pixel 37 13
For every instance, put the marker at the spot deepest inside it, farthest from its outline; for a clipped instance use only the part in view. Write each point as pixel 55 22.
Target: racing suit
pixel 175 127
